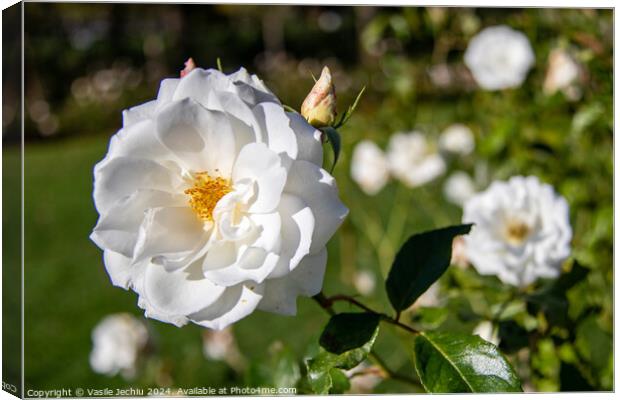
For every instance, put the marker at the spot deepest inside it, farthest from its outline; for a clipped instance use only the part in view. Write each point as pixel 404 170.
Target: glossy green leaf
pixel 456 363
pixel 319 367
pixel 419 263
pixel 348 331
pixel 333 137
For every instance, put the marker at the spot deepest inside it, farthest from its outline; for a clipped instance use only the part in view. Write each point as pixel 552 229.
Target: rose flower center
pixel 516 232
pixel 205 193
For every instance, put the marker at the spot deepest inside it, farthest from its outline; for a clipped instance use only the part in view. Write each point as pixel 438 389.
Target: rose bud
pixel 189 66
pixel 319 107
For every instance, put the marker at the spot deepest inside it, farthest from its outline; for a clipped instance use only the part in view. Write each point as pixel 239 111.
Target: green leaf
pixel 333 138
pixel 456 363
pixel 348 331
pixel 340 382
pixel 219 64
pixel 319 367
pixel 419 263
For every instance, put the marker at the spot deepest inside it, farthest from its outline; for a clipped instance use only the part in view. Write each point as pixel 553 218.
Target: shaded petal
pixel 234 304
pixel 296 233
pixel 147 110
pixel 173 232
pixel 179 292
pixel 117 229
pixel 317 188
pixel 280 136
pixel 254 264
pixel 121 176
pixel 203 139
pixel 257 162
pixel 306 280
pixel 309 146
pixel 121 271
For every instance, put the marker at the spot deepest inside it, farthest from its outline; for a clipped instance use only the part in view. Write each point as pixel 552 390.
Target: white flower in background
pixel 414 160
pixel 457 139
pixel 213 202
pixel 459 253
pixel 364 282
pixel 369 167
pixel 562 72
pixel 118 340
pixel 364 377
pixel 522 231
pixel 221 346
pixel 487 331
pixel 499 57
pixel 430 298
pixel 459 187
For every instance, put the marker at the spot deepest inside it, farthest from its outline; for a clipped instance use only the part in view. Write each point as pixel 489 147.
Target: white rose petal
pixel 499 57
pixel 213 202
pixel 369 167
pixel 118 340
pixel 522 231
pixel 457 139
pixel 459 187
pixel 413 159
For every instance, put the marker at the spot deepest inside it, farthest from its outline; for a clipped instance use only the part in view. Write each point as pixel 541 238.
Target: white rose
pixel 522 231
pixel 561 73
pixel 369 167
pixel 459 187
pixel 117 342
pixel 499 57
pixel 413 160
pixel 457 139
pixel 213 202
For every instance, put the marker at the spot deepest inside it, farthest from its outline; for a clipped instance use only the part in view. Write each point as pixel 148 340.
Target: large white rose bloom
pixel 522 231
pixel 213 202
pixel 117 342
pixel 413 159
pixel 369 167
pixel 499 57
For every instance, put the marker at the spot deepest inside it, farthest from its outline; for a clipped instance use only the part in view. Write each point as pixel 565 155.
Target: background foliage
pixel 87 62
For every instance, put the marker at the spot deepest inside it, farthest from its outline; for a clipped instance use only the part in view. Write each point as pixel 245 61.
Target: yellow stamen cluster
pixel 205 194
pixel 516 232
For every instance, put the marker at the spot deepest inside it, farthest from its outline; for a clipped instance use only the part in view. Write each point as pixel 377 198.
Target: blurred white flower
pixel 430 298
pixel 459 254
pixel 414 160
pixel 118 340
pixel 364 377
pixel 457 139
pixel 522 231
pixel 364 282
pixel 487 331
pixel 213 202
pixel 499 57
pixel 562 72
pixel 369 167
pixel 459 187
pixel 221 346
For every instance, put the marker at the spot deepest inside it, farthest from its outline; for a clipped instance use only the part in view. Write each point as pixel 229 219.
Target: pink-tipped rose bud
pixel 319 107
pixel 189 66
